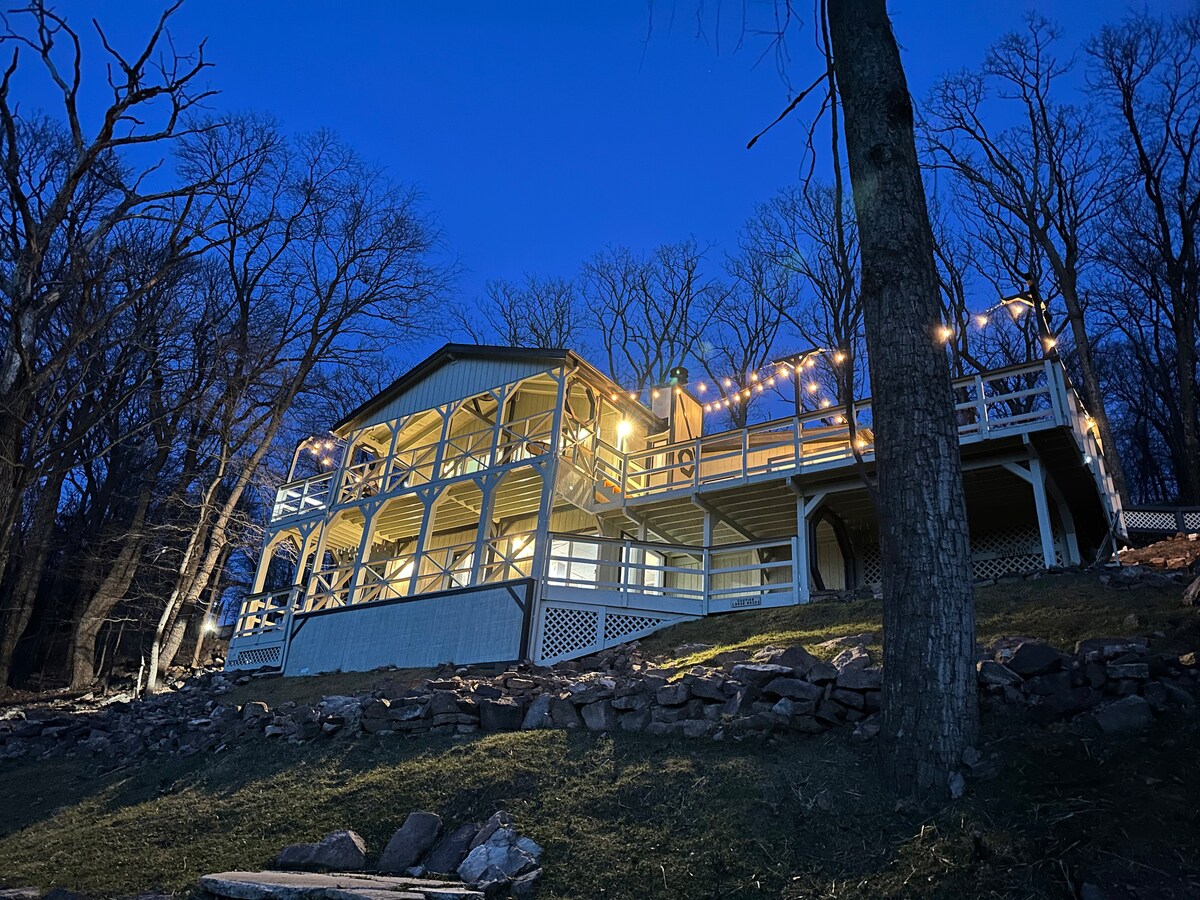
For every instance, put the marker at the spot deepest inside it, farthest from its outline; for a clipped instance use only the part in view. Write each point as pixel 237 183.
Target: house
pixel 496 504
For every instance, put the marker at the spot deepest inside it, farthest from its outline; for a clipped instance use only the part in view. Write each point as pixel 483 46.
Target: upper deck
pixel 997 405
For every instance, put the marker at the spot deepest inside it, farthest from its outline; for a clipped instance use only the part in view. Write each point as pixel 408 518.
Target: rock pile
pixel 1115 682
pixel 489 859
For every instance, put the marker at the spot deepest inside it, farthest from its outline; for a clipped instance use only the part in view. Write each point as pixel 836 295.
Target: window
pixel 571 562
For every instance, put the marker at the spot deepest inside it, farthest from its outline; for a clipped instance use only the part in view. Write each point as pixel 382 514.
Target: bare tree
pixel 741 324
pixel 646 308
pixel 541 312
pixel 1147 72
pixel 1035 191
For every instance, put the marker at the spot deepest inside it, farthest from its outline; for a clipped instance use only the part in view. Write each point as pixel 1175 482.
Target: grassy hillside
pixel 632 816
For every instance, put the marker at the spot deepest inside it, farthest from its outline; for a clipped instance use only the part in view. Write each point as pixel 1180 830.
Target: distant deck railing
pixel 1003 402
pixel 1162 520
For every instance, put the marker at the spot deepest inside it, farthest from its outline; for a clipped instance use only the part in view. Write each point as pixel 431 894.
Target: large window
pixel 573 562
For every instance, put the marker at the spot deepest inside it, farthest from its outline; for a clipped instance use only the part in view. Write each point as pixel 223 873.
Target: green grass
pixel 631 816
pixel 1058 609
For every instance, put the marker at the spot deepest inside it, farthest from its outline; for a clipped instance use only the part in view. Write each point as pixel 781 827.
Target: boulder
pixel 795 658
pixel 706 687
pixel 410 842
pixel 500 715
pixel 1106 648
pixel 599 716
pixel 347 709
pixel 822 673
pixel 1134 670
pixel 563 714
pixel 673 694
pixel 340 850
pixel 537 716
pixel 255 709
pixel 759 673
pixel 991 672
pixel 860 679
pixel 499 819
pixel 793 688
pixel 448 855
pixel 502 857
pixel 1130 713
pixel 852 658
pixel 1191 596
pixel 1035 658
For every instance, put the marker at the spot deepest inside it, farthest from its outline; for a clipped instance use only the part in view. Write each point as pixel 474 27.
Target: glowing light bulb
pixel 981 320
pixel 825 404
pixel 759 387
pixel 624 429
pixel 727 382
pixel 944 333
pixel 782 373
pixel 654 395
pixel 754 376
pixel 701 387
pixel 633 395
pixel 1051 343
pixel 614 398
pixel 813 387
pixel 839 357
pixel 771 381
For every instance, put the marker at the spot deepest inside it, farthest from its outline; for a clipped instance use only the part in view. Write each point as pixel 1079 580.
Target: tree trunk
pixel 930 711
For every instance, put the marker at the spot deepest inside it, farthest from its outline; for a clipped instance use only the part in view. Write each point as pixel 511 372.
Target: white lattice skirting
pixel 256 657
pixel 1007 551
pixel 565 632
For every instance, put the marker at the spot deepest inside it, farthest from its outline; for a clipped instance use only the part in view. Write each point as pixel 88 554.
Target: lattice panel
pixel 566 630
pixel 1155 521
pixel 1191 521
pixel 620 625
pixel 1010 551
pixel 872 562
pixel 259 656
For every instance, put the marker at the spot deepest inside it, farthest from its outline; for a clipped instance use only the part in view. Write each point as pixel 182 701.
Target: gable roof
pixel 447 354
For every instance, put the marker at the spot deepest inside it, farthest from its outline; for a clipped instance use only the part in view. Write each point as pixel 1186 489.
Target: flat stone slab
pixel 348 886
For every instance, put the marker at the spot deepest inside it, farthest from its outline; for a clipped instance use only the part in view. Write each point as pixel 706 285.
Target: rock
pixel 957 785
pixel 500 715
pixel 1136 671
pixel 564 714
pixel 443 703
pixel 255 709
pixel 310 886
pixel 673 694
pixel 1191 596
pixel 1106 648
pixel 345 711
pixel 499 819
pixel 796 658
pixel 340 850
pixel 448 855
pixel 759 673
pixel 865 730
pixel 631 702
pixel 822 673
pixel 525 886
pixel 537 716
pixel 849 640
pixel 599 716
pixel 793 688
pixel 853 658
pixel 410 842
pixel 1177 695
pixel 1035 658
pixel 860 679
pixel 706 687
pixel 991 672
pixel 1130 713
pixel 21 893
pixel 502 857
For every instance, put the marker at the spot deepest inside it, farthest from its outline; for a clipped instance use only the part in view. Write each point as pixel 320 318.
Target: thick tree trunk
pixel 930 712
pixel 94 615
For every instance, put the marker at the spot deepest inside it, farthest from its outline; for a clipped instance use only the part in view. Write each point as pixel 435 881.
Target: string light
pixel 944 333
pixel 813 387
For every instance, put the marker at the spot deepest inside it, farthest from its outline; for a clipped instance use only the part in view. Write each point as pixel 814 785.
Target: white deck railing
pixel 672 578
pixel 998 403
pixel 1003 402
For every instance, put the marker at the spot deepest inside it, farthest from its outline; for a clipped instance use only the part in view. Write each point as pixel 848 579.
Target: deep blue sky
pixel 542 131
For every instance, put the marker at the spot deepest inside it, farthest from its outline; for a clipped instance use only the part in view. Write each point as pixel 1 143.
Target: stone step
pixel 333 886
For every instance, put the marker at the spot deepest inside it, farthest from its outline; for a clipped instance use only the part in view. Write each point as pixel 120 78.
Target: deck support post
pixel 1038 480
pixel 369 511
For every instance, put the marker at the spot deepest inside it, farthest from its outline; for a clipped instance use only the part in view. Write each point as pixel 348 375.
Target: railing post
pixel 696 465
pixel 627 559
pixel 797 442
pixel 706 592
pixel 981 406
pixel 797 566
